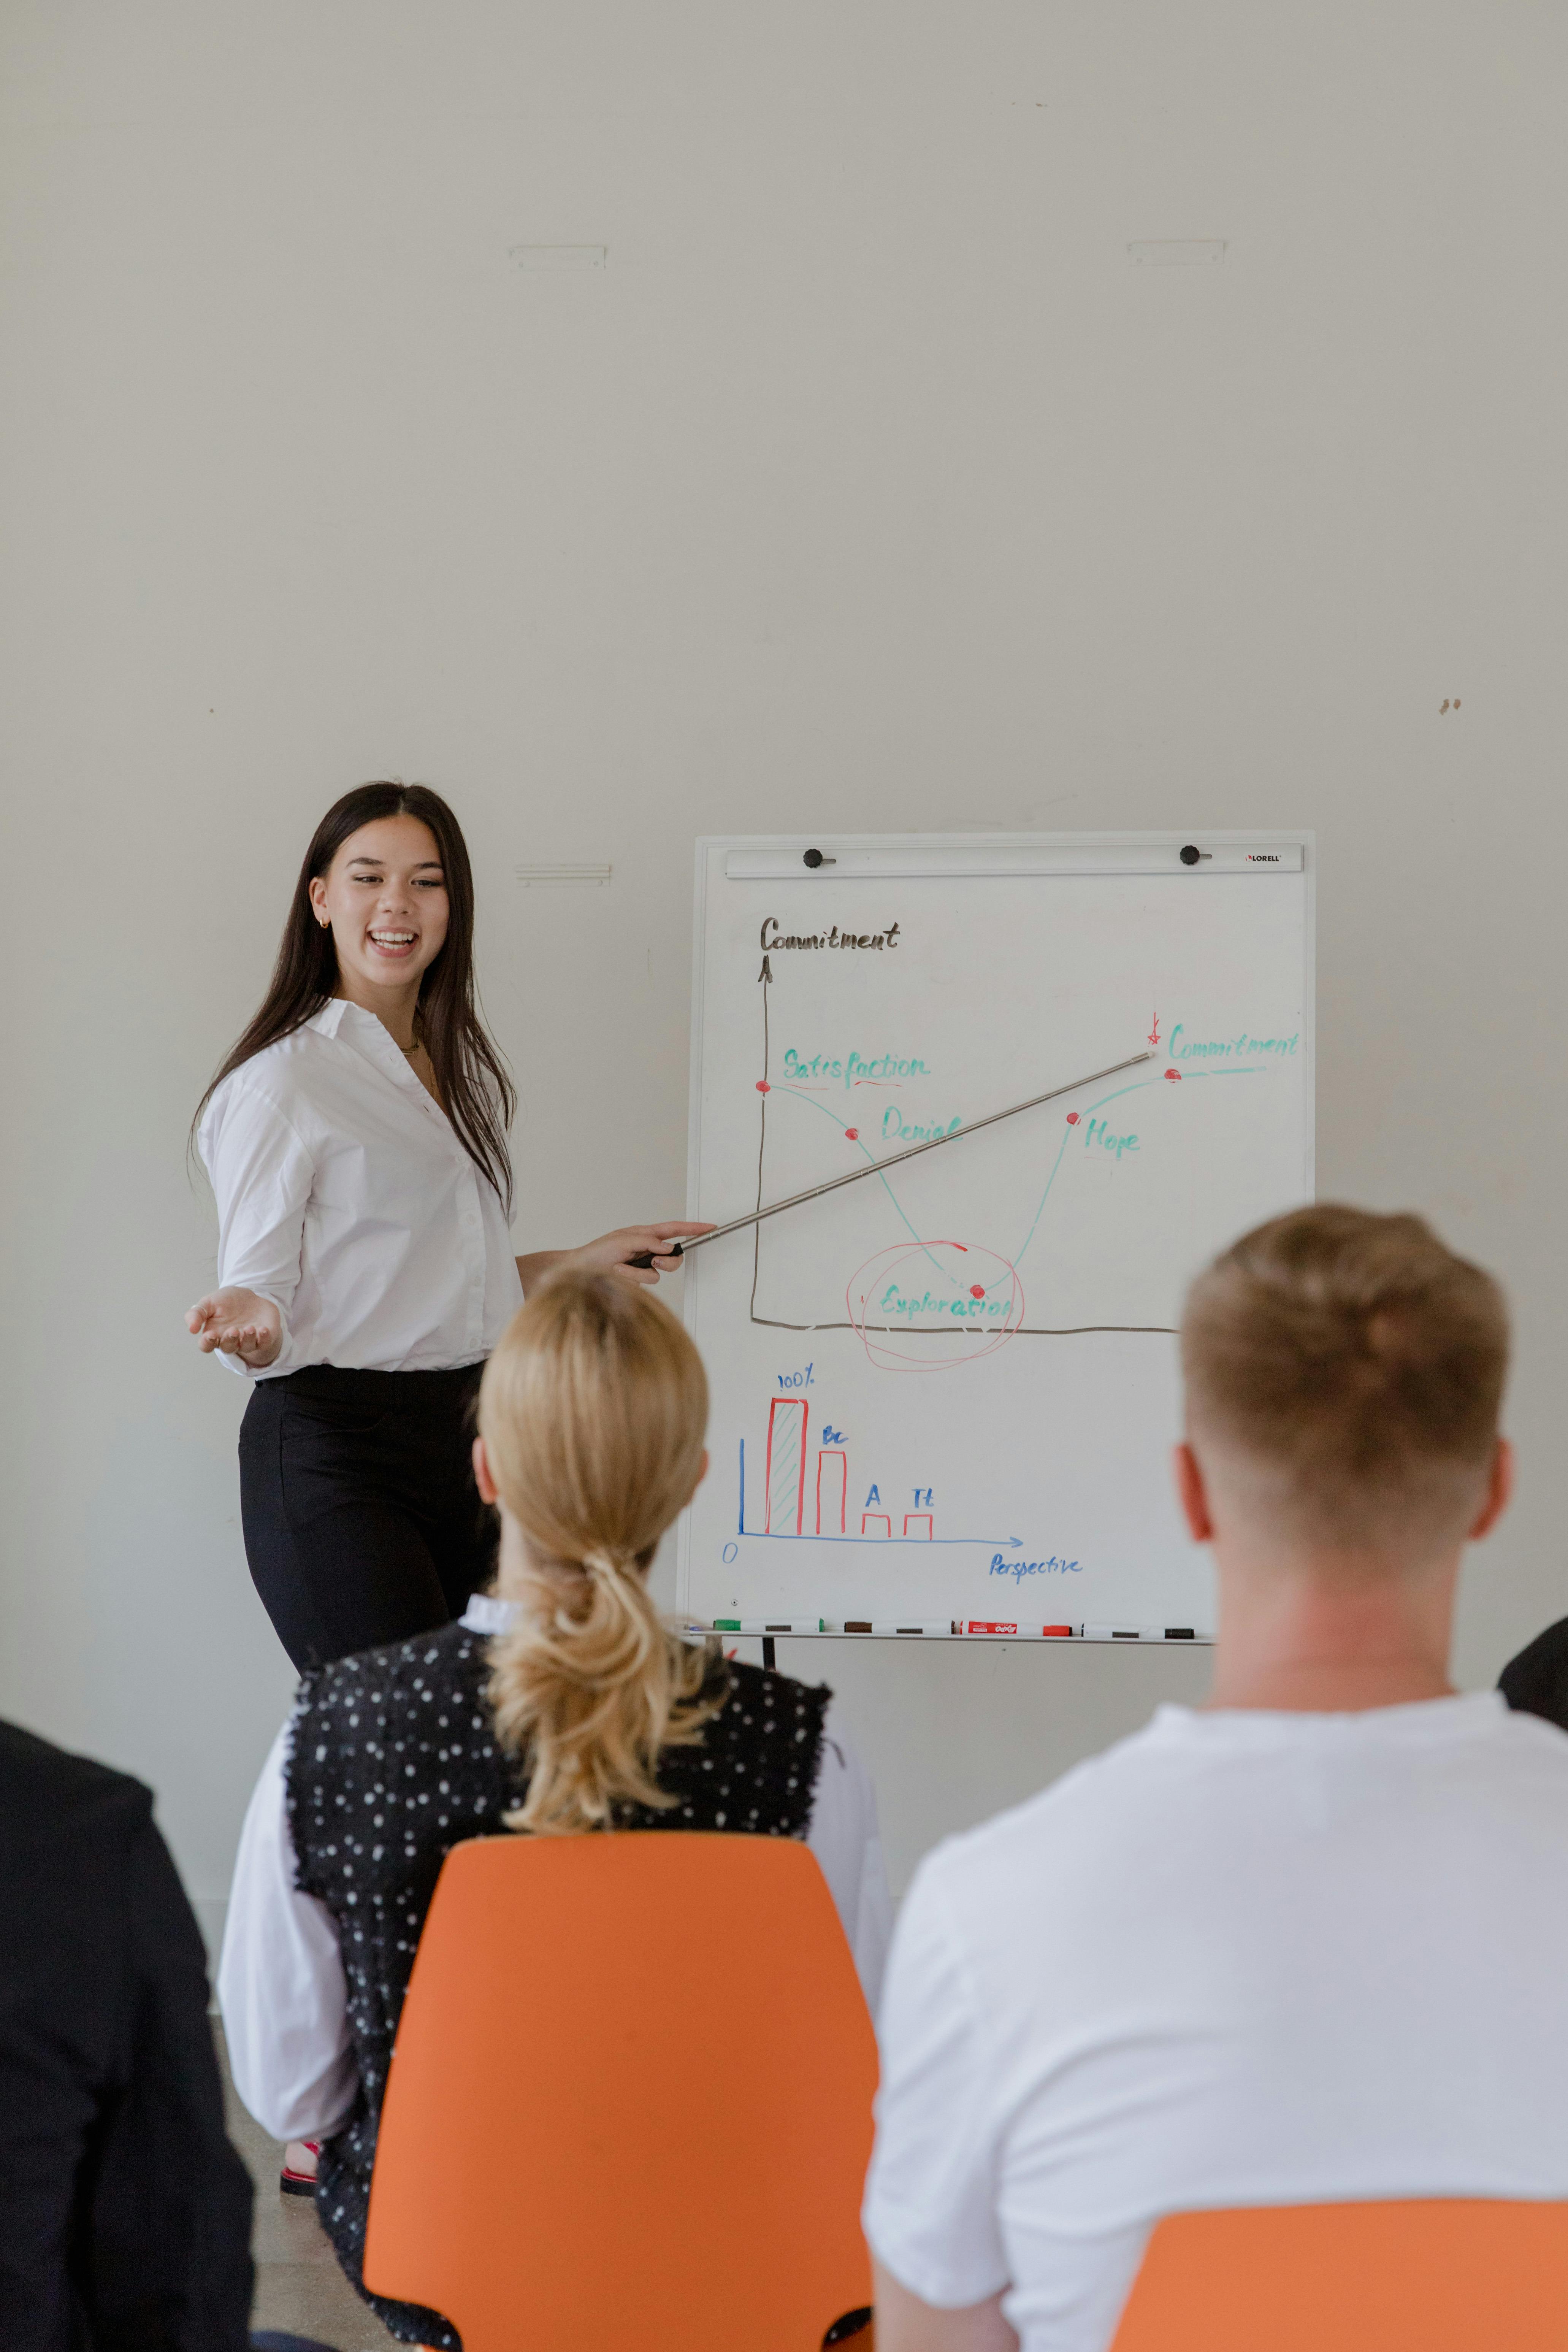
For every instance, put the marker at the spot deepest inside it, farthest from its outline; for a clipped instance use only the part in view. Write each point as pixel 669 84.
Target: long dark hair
pixel 473 1081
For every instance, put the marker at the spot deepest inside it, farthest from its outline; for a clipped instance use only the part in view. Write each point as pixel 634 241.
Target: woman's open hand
pixel 237 1323
pixel 612 1253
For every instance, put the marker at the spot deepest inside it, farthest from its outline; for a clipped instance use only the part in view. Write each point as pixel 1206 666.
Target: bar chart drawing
pixel 785 1478
pixel 832 1491
pixel 806 1492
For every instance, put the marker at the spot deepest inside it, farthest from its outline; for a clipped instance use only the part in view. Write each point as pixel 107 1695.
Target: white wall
pixel 870 482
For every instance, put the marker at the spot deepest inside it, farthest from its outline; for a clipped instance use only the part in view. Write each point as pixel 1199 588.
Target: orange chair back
pixel 1441 2275
pixel 630 2105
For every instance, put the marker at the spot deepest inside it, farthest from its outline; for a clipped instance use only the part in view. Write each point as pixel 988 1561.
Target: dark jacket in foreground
pixel 1536 1682
pixel 394 1761
pixel 124 2212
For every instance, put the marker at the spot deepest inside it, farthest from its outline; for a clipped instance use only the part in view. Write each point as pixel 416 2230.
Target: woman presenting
pixel 356 1140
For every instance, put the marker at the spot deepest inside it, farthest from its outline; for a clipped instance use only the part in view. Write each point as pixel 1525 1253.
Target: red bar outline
pixel 832 1454
pixel 799 1526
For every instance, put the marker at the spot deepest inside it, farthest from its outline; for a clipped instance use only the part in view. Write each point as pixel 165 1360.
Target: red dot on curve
pixel 763 1088
pixel 976 1290
pixel 1174 1074
pixel 1072 1118
pixel 851 1135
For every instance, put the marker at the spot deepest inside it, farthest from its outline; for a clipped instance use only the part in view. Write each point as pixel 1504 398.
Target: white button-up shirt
pixel 345 1196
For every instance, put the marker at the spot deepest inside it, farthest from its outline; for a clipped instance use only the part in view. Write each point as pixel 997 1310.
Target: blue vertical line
pixel 741 1528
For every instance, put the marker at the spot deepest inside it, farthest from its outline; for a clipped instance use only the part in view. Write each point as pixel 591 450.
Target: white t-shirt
pixel 345 1197
pixel 1239 1959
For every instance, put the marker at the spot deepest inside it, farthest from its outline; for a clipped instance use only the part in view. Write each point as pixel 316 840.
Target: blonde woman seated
pixel 563 1705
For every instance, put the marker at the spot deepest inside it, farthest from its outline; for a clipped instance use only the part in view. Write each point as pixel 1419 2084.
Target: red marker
pixel 1072 1118
pixel 985 1625
pixel 1056 1633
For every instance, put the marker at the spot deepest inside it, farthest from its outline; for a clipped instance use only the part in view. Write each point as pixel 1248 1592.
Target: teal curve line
pixel 1135 1086
pixel 841 1125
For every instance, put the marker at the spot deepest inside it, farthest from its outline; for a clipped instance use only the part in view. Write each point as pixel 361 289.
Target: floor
pixel 299 2286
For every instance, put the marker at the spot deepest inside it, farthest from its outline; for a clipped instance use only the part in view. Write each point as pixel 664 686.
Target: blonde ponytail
pixel 593 1411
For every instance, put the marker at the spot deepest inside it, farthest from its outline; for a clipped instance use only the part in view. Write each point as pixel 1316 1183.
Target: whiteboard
pixel 944 1397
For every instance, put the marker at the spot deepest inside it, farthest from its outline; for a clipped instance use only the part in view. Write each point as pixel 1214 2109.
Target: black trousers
pixel 363 1524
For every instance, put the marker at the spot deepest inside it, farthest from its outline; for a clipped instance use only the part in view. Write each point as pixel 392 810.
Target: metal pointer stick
pixel 876 1167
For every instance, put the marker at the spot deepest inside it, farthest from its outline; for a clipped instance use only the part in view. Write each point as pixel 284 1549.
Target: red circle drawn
pixel 894 1358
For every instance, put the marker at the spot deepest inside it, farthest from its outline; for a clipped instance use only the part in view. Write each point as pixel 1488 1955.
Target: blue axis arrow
pixel 756 1534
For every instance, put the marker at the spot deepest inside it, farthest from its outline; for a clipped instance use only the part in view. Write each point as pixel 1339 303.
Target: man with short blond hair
pixel 1305 1945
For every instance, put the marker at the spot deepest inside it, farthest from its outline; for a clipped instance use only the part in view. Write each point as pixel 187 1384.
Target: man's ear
pixel 1191 1492
pixel 1499 1491
pixel 488 1491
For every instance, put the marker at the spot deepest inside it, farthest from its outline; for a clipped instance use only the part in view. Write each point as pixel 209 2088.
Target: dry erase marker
pixel 988 1625
pixel 767 1625
pixel 888 1626
pixel 1114 1634
pixel 1056 1633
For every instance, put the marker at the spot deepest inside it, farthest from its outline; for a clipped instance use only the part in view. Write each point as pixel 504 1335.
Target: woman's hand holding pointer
pixel 613 1253
pixel 237 1323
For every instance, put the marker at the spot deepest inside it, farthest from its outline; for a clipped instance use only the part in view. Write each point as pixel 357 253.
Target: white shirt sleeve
pixel 280 1979
pixel 930 2194
pixel 261 1176
pixel 847 1843
pixel 281 1974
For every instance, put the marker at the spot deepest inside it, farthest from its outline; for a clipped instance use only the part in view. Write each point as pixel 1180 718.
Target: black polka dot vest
pixel 394 1762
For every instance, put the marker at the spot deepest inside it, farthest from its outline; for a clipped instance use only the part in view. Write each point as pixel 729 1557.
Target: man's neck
pixel 1331 1638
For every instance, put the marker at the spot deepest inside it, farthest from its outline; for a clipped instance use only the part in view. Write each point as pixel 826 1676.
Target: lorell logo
pixel 1263 857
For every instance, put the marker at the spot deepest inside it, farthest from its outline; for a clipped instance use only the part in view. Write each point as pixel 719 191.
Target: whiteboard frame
pixel 1037 855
